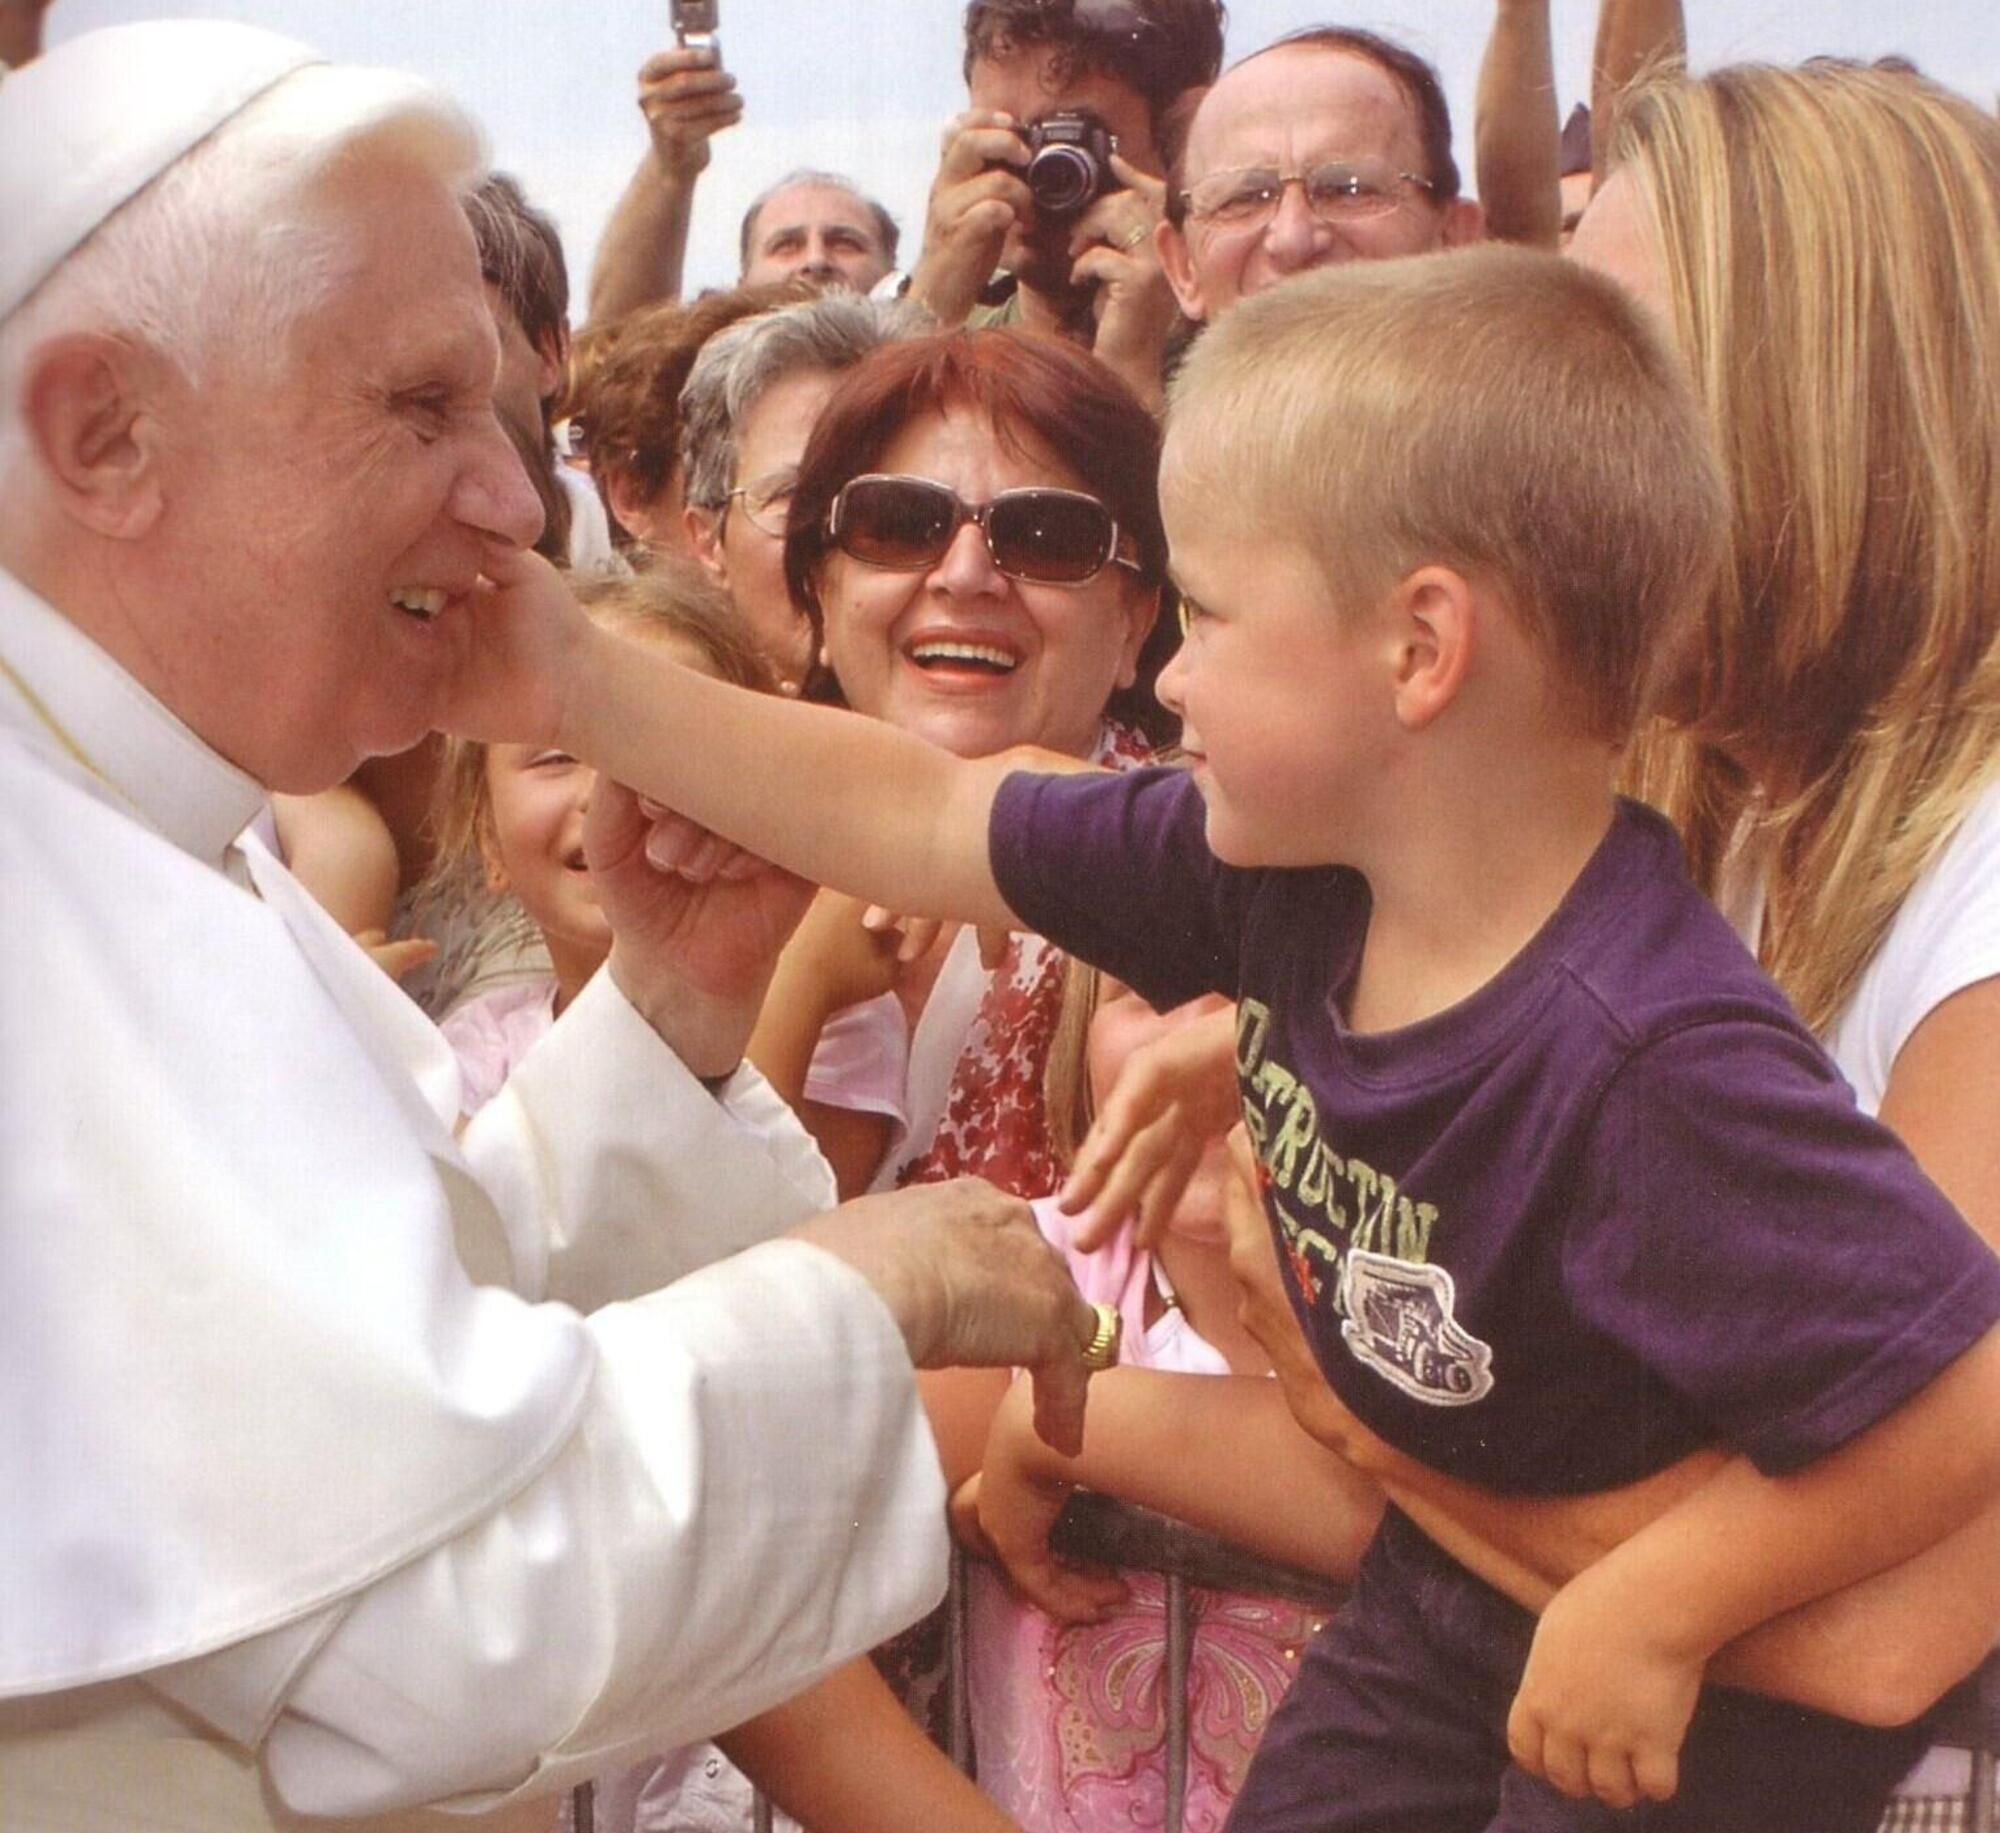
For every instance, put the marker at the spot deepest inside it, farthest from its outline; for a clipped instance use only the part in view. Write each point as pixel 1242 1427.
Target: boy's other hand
pixel 1603 1705
pixel 1172 1097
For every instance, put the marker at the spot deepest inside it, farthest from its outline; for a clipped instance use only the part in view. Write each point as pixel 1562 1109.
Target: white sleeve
pixel 1945 938
pixel 751 1499
pixel 615 1171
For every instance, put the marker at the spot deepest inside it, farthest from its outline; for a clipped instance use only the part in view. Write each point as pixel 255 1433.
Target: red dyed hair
pixel 1028 388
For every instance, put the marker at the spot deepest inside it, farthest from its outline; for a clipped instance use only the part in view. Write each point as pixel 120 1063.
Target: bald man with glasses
pixel 1330 145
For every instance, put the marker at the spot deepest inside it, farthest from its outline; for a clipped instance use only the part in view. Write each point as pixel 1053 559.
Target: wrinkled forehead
pixel 1302 102
pixel 814 206
pixel 402 287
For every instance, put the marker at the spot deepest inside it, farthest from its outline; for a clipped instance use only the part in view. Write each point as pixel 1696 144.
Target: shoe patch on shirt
pixel 1399 1323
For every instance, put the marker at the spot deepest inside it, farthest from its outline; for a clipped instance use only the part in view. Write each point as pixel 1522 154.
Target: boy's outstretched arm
pixel 839 799
pixel 1622 1648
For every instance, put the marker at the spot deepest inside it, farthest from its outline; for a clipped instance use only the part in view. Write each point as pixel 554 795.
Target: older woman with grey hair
pixel 749 405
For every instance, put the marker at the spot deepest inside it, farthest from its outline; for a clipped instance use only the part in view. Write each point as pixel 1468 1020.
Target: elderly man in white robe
pixel 348 1466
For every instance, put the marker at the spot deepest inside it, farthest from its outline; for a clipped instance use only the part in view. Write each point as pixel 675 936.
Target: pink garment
pixel 491 1032
pixel 862 1063
pixel 1069 1723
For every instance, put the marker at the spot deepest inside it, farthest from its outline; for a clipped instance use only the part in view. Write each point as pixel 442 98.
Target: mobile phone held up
pixel 696 22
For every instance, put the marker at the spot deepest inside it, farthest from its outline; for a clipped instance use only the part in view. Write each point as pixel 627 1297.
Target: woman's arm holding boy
pixel 1220 1452
pixel 1879 1652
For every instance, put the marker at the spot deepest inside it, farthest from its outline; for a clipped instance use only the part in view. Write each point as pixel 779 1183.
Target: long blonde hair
pixel 1831 243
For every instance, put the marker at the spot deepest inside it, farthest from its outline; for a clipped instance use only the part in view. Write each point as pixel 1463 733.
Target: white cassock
pixel 276 1475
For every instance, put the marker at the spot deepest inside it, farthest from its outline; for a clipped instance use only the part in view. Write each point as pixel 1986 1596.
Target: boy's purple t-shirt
pixel 1616 1205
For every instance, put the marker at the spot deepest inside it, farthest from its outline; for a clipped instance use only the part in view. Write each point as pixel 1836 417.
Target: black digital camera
pixel 1069 163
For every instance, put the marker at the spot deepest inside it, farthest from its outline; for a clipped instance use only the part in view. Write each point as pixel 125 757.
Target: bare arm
pixel 1631 35
pixel 1221 1452
pixel 341 850
pixel 1517 151
pixel 846 1758
pixel 686 97
pixel 840 800
pixel 831 963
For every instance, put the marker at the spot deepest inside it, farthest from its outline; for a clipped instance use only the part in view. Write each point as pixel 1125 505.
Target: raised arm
pixel 1516 134
pixel 833 797
pixel 686 98
pixel 1632 36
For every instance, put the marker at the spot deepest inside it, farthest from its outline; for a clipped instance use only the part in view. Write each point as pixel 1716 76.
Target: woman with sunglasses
pixel 975 540
pixel 975 537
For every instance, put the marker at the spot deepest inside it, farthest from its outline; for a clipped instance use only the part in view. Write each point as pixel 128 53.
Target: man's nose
pixel 1292 237
pixel 493 493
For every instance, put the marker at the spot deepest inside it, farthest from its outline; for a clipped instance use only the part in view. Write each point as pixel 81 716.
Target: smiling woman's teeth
pixel 417 602
pixel 923 654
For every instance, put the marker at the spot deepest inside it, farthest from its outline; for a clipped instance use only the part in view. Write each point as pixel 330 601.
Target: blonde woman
pixel 1825 245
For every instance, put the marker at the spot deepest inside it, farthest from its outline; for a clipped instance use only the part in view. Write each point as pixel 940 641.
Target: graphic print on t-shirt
pixel 1373 1254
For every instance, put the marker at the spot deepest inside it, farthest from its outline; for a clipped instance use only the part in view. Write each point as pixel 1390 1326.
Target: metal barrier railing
pixel 1105 1532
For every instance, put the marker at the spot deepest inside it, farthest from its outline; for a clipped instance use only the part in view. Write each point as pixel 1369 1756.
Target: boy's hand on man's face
pixel 1603 1706
pixel 517 649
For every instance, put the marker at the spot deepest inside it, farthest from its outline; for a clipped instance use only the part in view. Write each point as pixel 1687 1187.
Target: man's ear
pixel 1170 244
pixel 1464 223
pixel 1436 627
pixel 88 403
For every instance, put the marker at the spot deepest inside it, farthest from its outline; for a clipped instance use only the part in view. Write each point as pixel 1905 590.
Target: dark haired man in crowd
pixel 1127 67
pixel 1333 144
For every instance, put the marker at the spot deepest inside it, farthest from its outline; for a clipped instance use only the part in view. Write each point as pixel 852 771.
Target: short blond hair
pixel 1495 410
pixel 1830 239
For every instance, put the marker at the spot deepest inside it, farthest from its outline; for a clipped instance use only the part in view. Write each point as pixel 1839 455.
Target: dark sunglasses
pixel 1047 536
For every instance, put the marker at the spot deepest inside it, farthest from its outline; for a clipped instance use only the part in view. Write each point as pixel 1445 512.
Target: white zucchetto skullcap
pixel 94 120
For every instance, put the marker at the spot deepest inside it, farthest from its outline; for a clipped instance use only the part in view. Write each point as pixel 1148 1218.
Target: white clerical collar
pixel 56 683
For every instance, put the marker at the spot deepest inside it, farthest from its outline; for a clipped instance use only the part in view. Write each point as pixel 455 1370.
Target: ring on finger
pixel 1133 238
pixel 1101 1351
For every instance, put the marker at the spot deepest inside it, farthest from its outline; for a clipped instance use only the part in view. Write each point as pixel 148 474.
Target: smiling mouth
pixel 977 658
pixel 420 602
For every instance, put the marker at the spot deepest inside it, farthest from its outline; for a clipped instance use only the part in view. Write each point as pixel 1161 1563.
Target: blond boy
pixel 1562 1189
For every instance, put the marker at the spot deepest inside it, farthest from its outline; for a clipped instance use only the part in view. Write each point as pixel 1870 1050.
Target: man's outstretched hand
pixel 972 1284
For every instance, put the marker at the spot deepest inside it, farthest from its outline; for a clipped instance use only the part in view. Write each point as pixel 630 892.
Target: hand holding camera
pixel 977 198
pixel 685 94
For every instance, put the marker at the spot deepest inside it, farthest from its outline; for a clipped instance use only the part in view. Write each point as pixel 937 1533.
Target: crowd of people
pixel 1252 824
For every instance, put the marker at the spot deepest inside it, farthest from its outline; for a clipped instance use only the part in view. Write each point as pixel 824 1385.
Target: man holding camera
pixel 1052 182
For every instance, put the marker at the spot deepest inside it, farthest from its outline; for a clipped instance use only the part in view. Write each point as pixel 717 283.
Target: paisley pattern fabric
pixel 1072 1718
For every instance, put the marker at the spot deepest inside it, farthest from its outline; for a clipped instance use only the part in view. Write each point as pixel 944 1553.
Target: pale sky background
pixel 864 86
